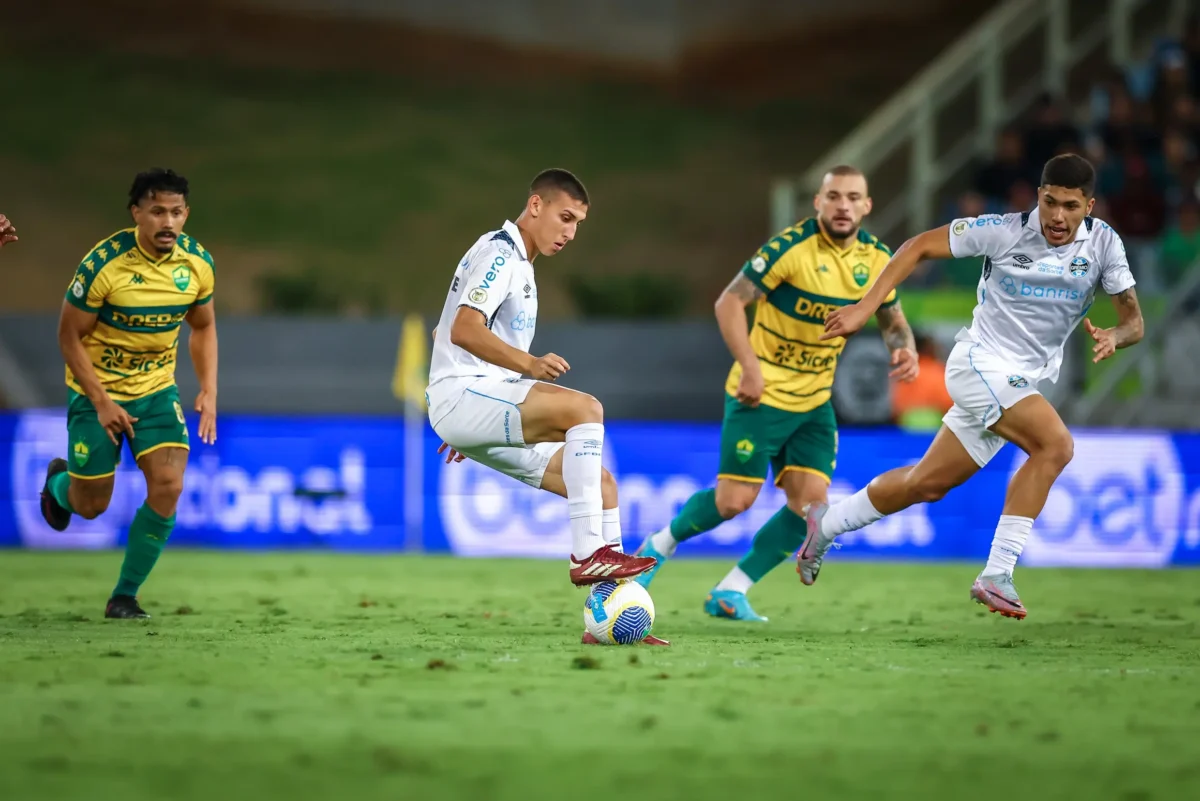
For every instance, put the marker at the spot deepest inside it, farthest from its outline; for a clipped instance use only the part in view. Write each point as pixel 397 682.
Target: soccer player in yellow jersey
pixel 778 412
pixel 119 332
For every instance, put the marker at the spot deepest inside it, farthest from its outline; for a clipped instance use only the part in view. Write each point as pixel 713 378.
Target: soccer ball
pixel 618 613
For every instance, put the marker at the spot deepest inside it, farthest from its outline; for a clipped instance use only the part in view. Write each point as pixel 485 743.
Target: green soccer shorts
pixel 755 438
pixel 160 424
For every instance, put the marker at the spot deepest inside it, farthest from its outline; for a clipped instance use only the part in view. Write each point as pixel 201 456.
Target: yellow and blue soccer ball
pixel 618 613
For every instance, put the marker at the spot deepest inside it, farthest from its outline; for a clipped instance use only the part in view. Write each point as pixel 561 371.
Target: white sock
pixel 581 474
pixel 664 542
pixel 1011 534
pixel 850 514
pixel 611 527
pixel 737 580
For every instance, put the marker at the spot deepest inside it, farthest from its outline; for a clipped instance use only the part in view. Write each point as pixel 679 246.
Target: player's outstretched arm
pixel 1128 330
pixel 730 310
pixel 934 244
pixel 469 331
pixel 8 233
pixel 202 346
pixel 73 325
pixel 898 336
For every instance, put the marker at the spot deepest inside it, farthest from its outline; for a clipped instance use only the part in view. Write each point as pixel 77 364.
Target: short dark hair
pixel 154 181
pixel 1070 171
pixel 846 169
pixel 555 179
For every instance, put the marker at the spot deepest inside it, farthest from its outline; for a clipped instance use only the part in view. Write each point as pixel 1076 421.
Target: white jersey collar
pixel 513 231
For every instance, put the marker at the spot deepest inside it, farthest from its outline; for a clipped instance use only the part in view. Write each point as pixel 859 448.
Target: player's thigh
pixel 91 453
pixel 486 416
pixel 982 388
pixel 529 464
pixel 160 426
pixel 750 438
pixel 811 447
pixel 549 411
pixel 1034 426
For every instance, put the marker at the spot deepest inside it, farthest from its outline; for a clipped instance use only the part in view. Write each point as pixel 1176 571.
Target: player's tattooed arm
pixel 898 336
pixel 730 310
pixel 743 289
pixel 1130 326
pixel 897 333
pixel 1127 331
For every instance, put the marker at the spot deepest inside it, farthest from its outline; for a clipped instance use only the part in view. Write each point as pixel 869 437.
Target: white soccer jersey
pixel 1031 295
pixel 495 278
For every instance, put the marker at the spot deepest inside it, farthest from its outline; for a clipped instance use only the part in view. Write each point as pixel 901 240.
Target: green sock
pixel 147 535
pixel 697 516
pixel 778 539
pixel 59 486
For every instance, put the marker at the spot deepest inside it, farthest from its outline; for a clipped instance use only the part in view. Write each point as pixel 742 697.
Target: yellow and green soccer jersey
pixel 140 301
pixel 805 276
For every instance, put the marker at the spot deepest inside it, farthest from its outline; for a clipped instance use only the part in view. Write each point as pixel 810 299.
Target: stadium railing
pixel 980 56
pixel 1152 401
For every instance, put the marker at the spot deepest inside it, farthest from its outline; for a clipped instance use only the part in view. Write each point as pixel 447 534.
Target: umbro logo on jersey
pixel 136 278
pixel 1023 261
pixel 527 290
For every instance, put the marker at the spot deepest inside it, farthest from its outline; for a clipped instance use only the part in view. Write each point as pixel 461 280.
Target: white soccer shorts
pixel 982 386
pixel 485 424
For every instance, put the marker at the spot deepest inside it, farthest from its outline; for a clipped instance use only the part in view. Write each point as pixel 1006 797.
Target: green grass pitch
pixel 303 676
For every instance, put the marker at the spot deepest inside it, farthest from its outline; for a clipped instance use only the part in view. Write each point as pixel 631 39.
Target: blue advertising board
pixel 1129 499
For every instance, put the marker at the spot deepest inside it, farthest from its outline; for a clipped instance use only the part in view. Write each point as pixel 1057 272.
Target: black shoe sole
pixel 55 516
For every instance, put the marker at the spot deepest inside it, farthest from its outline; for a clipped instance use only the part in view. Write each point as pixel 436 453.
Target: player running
pixel 118 331
pixel 1040 273
pixel 778 412
pixel 8 233
pixel 482 405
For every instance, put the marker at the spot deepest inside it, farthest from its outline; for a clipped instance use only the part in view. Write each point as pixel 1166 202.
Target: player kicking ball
pixel 490 400
pixel 1041 270
pixel 119 332
pixel 778 412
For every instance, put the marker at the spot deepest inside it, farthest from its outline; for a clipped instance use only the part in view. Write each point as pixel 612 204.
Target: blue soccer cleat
pixel 648 549
pixel 731 605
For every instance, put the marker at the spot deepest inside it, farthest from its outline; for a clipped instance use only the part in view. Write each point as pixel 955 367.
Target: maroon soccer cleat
pixel 649 639
pixel 608 564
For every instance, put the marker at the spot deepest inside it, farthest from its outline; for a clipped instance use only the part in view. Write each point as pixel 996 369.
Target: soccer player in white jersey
pixel 489 398
pixel 1041 270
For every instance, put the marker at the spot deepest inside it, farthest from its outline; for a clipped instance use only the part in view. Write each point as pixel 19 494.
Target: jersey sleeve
pixel 487 282
pixel 89 286
pixel 1115 275
pixel 208 280
pixel 770 265
pixel 989 235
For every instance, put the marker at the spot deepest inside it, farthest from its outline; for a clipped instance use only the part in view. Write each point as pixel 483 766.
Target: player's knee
pixel 164 488
pixel 1059 450
pixel 926 488
pixel 732 503
pixel 586 410
pixel 608 489
pixel 91 505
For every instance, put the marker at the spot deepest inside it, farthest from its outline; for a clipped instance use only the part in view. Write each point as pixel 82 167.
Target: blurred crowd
pixel 1140 126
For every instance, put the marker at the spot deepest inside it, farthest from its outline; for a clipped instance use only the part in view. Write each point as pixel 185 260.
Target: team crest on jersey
pixel 1017 382
pixel 960 228
pixel 82 453
pixel 183 276
pixel 745 449
pixel 861 273
pixel 77 288
pixel 477 295
pixel 1079 267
